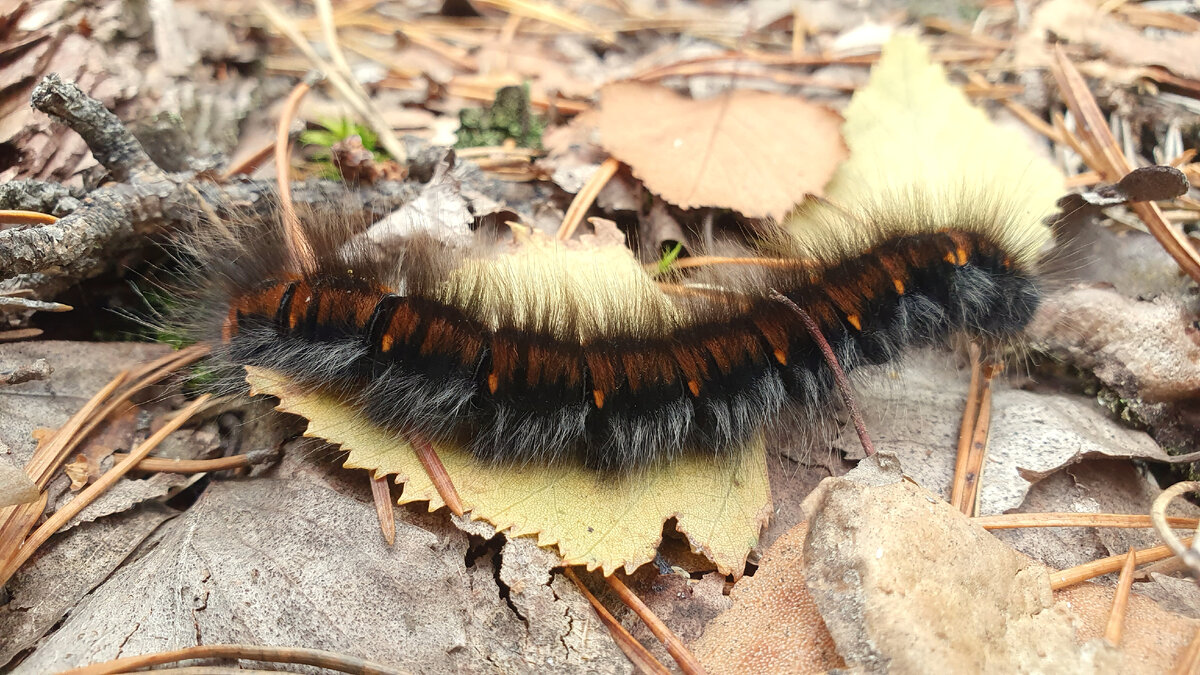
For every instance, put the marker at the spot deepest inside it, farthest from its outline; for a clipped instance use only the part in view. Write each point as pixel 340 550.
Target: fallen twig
pixel 381 494
pixel 583 201
pixel 88 495
pixel 1008 521
pixel 675 647
pixel 1120 603
pixel 1158 515
pixel 637 654
pixel 1074 575
pixel 38 370
pixel 342 663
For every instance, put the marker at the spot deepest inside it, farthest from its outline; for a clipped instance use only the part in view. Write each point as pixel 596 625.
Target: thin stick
pixel 1120 603
pixel 437 473
pixel 255 160
pixel 583 201
pixel 362 106
pixel 168 465
pixel 1008 521
pixel 967 431
pixel 1074 575
pixel 675 647
pixel 979 438
pixel 88 495
pixel 381 494
pixel 839 376
pixel 641 657
pixel 779 263
pixel 1189 660
pixel 1158 515
pixel 19 334
pixel 303 258
pixel 18 217
pixel 342 663
pixel 1112 163
pixel 142 378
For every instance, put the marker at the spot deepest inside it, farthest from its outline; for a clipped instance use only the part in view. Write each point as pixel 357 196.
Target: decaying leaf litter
pixel 501 604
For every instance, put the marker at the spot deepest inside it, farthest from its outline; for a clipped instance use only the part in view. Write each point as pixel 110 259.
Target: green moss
pixel 509 116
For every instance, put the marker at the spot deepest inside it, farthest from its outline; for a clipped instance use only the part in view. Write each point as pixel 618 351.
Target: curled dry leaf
pixel 750 151
pixel 594 519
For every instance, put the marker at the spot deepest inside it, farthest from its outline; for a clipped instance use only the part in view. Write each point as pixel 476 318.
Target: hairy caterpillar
pixel 548 354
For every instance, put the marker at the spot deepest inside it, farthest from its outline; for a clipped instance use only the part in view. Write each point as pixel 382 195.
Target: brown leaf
pixel 774 625
pixel 754 152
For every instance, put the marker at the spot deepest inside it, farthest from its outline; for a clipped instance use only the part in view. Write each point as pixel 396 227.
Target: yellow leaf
pixel 910 130
pixel 594 519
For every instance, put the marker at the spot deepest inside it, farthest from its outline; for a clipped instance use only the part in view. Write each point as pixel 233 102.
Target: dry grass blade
pixel 1158 515
pixel 777 263
pixel 549 13
pixel 342 663
pixel 251 163
pixel 1189 660
pixel 167 465
pixel 675 647
pixel 641 657
pixel 362 106
pixel 140 378
pixel 967 431
pixel 839 376
pixel 1120 603
pixel 19 334
pixel 16 217
pixel 972 474
pixel 1008 521
pixel 1107 159
pixel 381 494
pixel 1074 575
pixel 583 201
pixel 73 507
pixel 438 474
pixel 303 258
pixel 46 459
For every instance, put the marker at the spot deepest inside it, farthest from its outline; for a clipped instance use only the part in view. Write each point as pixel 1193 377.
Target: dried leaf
pixel 773 625
pixel 909 130
pixel 1080 21
pixel 754 152
pixel 596 520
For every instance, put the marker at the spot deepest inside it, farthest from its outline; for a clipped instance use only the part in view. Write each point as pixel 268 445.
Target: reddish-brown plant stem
pixel 437 473
pixel 1120 603
pixel 839 375
pixel 641 657
pixel 309 657
pixel 303 258
pixel 967 430
pixel 687 661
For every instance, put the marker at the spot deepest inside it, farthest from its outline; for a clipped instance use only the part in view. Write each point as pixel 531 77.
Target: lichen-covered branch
pixel 145 200
pixel 35 195
pixel 110 142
